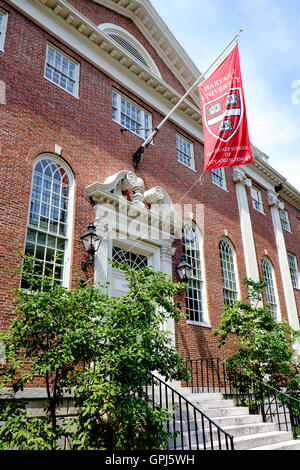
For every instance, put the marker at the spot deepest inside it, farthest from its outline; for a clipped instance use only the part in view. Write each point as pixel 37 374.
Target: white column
pixel 166 253
pixel 292 313
pixel 102 266
pixel 241 182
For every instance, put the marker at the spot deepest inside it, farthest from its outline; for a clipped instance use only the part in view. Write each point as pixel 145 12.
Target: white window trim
pixel 278 312
pixel 69 235
pixel 205 319
pixel 235 266
pixel 223 186
pixel 290 255
pixel 287 220
pixel 192 158
pixel 133 103
pixel 73 61
pixel 253 200
pixel 3 28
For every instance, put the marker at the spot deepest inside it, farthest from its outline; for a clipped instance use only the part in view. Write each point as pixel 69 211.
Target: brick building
pixel 73 74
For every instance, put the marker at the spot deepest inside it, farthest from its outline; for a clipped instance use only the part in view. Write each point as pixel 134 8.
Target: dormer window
pixel 131 46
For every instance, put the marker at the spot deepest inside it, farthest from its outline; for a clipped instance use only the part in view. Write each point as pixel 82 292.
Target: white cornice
pixel 151 25
pixel 271 178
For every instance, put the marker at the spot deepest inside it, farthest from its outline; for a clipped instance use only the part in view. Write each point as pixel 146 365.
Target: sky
pixel 269 48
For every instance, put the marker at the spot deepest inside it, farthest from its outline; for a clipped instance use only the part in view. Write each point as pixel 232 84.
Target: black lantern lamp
pixel 91 241
pixel 184 270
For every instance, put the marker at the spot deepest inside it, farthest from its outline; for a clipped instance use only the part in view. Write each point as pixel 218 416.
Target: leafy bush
pixel 263 345
pixel 97 348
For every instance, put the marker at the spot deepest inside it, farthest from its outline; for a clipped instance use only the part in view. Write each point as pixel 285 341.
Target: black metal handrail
pixel 207 375
pixel 274 405
pixel 211 375
pixel 188 426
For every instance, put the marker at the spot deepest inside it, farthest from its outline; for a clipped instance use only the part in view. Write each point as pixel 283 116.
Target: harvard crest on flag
pixel 226 139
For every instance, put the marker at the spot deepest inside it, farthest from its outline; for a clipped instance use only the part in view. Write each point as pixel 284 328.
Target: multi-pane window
pixel 256 199
pixel 218 177
pixel 62 70
pixel 185 151
pixel 3 25
pixel 131 116
pixel 228 272
pixel 285 220
pixel 47 231
pixel 133 260
pixel 268 278
pixel 293 270
pixel 194 297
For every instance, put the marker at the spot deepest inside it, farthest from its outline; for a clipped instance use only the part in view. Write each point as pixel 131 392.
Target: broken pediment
pixel 152 208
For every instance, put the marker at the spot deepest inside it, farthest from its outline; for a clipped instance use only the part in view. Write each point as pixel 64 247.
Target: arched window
pixel 194 291
pixel 49 219
pixel 228 271
pixel 268 278
pixel 134 260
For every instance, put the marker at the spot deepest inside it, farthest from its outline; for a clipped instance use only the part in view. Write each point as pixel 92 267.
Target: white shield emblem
pixel 224 114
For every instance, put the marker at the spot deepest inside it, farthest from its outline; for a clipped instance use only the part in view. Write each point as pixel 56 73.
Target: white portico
pixel 139 228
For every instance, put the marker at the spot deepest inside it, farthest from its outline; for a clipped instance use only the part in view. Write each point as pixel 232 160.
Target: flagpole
pixel 137 155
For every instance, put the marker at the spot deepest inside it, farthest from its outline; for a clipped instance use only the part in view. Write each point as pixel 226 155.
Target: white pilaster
pixel 241 182
pixel 292 313
pixel 166 253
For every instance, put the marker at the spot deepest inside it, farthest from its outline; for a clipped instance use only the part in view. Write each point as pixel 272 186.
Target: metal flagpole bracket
pixel 137 156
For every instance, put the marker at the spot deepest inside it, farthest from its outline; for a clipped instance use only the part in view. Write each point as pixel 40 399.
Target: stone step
pixel 261 439
pixel 205 398
pixel 200 396
pixel 211 413
pixel 250 429
pixel 247 442
pixel 221 412
pixel 236 431
pixel 240 420
pixel 213 404
pixel 286 445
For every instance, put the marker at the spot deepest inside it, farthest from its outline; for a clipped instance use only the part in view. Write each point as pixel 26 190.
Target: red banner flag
pixel 226 139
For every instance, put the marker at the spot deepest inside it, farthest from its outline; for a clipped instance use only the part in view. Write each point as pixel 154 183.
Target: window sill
pixel 257 210
pixel 186 166
pixel 197 323
pixel 224 189
pixel 125 129
pixel 76 96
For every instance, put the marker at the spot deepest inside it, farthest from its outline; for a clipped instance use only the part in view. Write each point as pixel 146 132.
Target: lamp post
pixel 184 270
pixel 91 241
